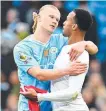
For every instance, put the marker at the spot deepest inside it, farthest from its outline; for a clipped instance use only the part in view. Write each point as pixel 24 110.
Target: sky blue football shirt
pixel 29 53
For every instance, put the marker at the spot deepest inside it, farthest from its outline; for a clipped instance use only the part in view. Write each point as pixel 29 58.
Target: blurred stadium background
pixel 16 23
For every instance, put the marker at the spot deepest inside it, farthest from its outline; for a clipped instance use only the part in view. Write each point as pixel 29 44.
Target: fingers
pixel 25 93
pixel 81 69
pixel 78 64
pixel 77 61
pixel 74 55
pixel 77 55
pixel 78 68
pixel 26 89
pixel 71 54
pixel 81 66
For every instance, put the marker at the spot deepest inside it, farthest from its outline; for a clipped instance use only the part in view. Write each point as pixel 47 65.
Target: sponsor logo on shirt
pixel 23 57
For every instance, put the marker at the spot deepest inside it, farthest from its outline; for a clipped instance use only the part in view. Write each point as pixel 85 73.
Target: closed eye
pixel 51 16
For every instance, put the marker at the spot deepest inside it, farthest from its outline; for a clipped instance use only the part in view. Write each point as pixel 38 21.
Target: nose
pixel 54 22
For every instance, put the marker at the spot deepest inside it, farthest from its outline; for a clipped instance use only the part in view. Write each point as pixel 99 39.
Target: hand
pixel 29 93
pixel 77 68
pixel 77 49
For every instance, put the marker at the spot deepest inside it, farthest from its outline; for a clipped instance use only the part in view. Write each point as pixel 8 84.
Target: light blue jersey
pixel 29 53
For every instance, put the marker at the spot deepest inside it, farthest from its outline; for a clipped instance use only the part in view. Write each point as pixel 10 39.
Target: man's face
pixel 68 24
pixel 49 19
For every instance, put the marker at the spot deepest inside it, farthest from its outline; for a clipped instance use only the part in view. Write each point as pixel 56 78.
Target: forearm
pixel 69 94
pixel 58 96
pixel 47 74
pixel 91 47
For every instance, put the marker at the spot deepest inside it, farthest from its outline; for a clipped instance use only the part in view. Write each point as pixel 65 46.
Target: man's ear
pixel 74 26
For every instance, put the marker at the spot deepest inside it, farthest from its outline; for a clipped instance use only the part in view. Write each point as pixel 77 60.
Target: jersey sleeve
pixel 24 58
pixel 75 86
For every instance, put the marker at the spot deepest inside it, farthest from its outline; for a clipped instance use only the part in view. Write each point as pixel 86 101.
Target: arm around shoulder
pixel 91 47
pixel 46 74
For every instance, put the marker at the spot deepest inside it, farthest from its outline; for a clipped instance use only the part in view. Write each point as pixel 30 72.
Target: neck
pixel 41 35
pixel 76 37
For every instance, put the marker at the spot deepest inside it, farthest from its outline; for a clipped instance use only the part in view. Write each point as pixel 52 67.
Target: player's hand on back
pixel 76 50
pixel 77 68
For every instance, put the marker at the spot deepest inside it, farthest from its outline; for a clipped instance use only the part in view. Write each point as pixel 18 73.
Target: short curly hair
pixel 83 19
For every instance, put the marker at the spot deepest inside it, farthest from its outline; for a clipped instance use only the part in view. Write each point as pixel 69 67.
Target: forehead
pixel 53 11
pixel 71 15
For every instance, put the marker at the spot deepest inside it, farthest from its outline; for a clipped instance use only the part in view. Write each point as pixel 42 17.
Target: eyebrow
pixel 55 17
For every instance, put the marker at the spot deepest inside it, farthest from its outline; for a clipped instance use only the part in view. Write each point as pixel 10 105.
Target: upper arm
pixel 76 82
pixel 23 58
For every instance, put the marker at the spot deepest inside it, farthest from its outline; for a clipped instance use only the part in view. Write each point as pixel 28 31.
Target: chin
pixel 50 31
pixel 64 34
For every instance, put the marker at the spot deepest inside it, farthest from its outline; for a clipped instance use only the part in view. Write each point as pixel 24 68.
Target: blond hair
pixel 35 15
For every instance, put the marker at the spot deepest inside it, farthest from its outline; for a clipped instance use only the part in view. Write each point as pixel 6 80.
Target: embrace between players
pixel 52 67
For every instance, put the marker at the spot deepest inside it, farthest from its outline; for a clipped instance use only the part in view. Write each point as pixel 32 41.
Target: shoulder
pixel 24 43
pixel 84 57
pixel 59 40
pixel 85 54
pixel 58 37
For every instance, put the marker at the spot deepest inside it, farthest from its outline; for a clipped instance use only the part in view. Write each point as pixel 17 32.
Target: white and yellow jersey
pixel 66 91
pixel 69 83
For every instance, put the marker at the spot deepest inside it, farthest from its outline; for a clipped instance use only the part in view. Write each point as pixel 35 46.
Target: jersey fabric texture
pixel 29 53
pixel 66 91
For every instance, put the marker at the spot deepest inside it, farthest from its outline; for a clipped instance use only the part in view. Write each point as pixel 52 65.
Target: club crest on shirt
pixel 53 50
pixel 23 57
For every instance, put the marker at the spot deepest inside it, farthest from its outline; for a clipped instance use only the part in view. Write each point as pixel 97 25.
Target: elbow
pixel 36 72
pixel 95 50
pixel 40 78
pixel 92 48
pixel 73 96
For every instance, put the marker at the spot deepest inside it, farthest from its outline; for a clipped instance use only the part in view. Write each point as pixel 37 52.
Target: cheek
pixel 66 28
pixel 44 23
pixel 45 20
pixel 57 25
